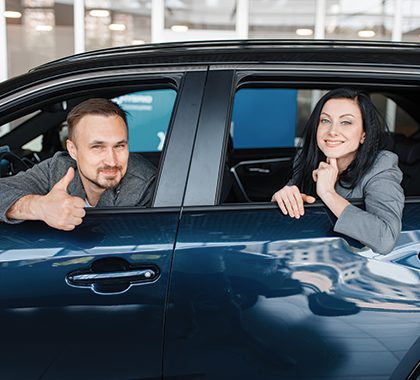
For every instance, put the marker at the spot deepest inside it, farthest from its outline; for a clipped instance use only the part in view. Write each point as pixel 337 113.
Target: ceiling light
pixel 99 13
pixel 179 28
pixel 117 27
pixel 137 42
pixel 335 8
pixel 304 32
pixel 212 3
pixel 43 28
pixel 12 14
pixel 366 33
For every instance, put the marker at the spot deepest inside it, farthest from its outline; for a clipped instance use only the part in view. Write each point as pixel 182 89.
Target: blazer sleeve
pixel 379 225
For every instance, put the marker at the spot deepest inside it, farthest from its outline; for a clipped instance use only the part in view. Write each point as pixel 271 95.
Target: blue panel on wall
pixel 148 116
pixel 264 118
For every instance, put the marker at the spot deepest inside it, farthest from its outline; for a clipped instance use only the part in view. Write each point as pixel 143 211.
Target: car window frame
pixel 188 82
pixel 295 76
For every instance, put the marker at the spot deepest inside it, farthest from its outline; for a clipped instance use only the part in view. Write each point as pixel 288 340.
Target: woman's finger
pixel 299 203
pixel 282 206
pixel 277 197
pixel 315 175
pixel 308 198
pixel 288 203
pixel 295 200
pixel 333 162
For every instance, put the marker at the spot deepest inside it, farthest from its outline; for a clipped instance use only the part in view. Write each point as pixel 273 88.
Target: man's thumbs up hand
pixel 63 183
pixel 59 209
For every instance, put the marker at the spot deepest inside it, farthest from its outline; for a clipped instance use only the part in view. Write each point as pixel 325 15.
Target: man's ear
pixel 71 148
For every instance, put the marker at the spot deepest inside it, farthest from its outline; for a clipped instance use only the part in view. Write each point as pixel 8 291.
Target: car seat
pixel 408 151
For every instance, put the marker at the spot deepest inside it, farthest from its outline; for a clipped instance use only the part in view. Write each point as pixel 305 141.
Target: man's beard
pixel 107 183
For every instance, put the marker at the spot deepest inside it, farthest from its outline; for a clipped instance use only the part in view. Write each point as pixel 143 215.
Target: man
pixel 96 171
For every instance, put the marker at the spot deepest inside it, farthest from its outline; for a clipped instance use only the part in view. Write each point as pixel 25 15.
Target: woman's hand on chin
pixel 326 177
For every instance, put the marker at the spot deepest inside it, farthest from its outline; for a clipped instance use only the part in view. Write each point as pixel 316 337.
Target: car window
pixel 264 118
pixel 266 129
pixel 148 116
pixel 41 133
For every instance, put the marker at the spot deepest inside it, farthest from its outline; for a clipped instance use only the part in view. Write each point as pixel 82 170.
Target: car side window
pixel 41 133
pixel 266 130
pixel 272 111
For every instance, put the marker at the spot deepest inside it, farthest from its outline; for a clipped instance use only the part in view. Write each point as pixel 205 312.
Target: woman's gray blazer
pixel 379 225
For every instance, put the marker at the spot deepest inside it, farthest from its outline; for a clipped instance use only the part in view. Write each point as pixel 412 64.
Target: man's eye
pixel 96 147
pixel 121 146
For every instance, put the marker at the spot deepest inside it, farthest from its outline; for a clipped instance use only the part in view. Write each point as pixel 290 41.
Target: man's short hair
pixel 94 106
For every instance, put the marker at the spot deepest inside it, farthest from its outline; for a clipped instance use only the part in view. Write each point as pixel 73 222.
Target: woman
pixel 342 158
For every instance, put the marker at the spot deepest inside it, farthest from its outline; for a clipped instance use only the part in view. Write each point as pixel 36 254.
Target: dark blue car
pixel 211 281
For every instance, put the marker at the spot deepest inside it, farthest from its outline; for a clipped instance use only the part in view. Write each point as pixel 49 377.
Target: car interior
pixel 38 135
pixel 255 169
pixel 266 130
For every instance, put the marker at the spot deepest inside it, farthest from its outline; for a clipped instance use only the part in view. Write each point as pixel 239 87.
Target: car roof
pixel 211 52
pixel 331 52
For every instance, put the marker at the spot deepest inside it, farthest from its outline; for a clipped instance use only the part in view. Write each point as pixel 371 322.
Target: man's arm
pixel 57 208
pixel 33 181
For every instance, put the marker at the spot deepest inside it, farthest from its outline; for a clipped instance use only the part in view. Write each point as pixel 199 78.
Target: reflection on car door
pixel 256 294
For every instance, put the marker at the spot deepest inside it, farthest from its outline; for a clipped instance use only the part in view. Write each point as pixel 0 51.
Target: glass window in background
pixel 112 23
pixel 183 15
pixel 411 21
pixel 359 20
pixel 148 117
pixel 288 19
pixel 38 31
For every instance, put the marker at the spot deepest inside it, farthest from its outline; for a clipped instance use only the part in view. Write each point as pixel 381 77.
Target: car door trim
pixel 208 155
pixel 370 69
pixel 107 74
pixel 176 157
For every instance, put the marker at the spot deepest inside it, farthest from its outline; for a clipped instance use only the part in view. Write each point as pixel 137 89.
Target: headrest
pixel 407 149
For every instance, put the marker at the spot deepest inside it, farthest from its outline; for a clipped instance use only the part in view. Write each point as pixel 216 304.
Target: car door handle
pixel 112 275
pixel 133 275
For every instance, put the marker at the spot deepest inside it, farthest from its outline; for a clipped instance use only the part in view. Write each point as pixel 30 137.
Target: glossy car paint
pixel 55 331
pixel 250 293
pixel 255 294
pixel 62 331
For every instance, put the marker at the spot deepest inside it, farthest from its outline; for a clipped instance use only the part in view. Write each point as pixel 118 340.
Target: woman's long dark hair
pixel 309 156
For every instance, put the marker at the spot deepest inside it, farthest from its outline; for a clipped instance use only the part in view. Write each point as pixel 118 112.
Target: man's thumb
pixel 308 198
pixel 65 181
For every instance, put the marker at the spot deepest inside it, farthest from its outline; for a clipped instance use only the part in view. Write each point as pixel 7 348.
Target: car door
pixel 89 304
pixel 256 294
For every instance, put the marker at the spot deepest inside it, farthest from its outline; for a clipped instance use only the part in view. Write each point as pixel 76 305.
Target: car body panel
pixel 53 330
pixel 238 290
pixel 255 296
pixel 67 329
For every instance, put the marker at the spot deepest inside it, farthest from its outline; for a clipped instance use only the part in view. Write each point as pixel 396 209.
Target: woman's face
pixel 340 130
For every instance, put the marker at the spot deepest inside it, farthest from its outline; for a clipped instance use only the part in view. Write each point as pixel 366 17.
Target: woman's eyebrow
pixel 347 114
